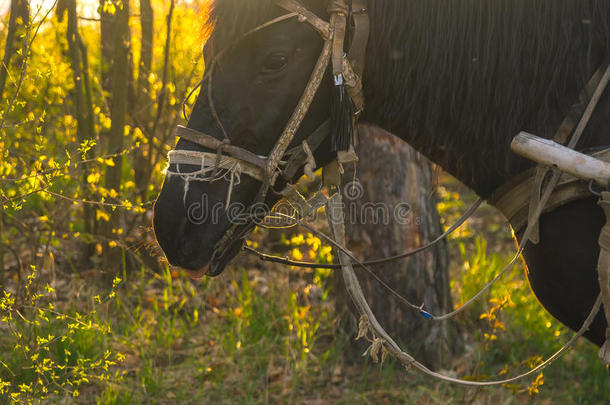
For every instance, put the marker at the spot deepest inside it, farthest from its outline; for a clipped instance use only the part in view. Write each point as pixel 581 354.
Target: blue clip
pixel 426 314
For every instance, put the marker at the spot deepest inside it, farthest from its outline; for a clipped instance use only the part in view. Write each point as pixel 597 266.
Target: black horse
pixel 455 79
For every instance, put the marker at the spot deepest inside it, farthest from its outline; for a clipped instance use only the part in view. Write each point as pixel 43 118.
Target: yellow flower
pixel 296 253
pixel 99 214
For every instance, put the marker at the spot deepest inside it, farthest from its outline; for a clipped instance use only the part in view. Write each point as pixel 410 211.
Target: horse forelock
pixel 226 21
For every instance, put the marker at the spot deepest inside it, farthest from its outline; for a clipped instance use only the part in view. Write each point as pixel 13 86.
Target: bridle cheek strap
pixel 296 119
pixel 304 15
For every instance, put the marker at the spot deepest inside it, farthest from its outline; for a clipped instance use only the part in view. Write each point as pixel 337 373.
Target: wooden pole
pixel 549 153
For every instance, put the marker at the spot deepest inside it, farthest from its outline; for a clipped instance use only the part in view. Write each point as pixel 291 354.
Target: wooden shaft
pixel 549 153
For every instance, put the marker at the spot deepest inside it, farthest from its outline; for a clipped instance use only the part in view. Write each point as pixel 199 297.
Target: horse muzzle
pixel 227 248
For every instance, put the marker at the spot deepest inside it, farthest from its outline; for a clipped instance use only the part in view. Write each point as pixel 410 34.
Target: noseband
pixel 230 161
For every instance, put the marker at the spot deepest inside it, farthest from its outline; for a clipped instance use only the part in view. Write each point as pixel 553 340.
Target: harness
pixel 515 199
pixel 522 200
pixel 572 176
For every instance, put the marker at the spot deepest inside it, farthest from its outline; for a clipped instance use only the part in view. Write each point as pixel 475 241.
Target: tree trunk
pixel 106 42
pixel 18 21
pixel 390 209
pixel 144 103
pixel 141 112
pixel 2 269
pixel 119 88
pixel 82 96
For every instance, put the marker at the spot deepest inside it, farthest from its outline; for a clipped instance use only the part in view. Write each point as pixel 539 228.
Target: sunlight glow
pixel 86 8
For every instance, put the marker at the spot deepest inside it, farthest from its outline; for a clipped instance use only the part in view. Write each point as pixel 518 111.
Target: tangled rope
pixel 212 168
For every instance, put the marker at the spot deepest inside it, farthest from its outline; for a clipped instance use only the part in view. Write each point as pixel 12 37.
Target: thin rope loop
pixel 463 218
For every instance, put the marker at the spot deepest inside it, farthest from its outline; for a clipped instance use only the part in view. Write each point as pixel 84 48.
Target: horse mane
pixel 464 74
pixel 236 17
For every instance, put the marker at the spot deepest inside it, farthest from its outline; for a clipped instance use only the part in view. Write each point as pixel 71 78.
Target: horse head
pixel 255 76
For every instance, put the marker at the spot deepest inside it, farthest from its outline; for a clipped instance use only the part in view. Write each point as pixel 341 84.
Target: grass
pixel 269 334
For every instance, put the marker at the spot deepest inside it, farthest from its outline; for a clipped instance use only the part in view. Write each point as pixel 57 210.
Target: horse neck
pixel 481 165
pixel 458 82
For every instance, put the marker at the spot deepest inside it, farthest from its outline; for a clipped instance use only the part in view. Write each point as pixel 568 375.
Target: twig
pixel 161 97
pixel 75 164
pixel 28 47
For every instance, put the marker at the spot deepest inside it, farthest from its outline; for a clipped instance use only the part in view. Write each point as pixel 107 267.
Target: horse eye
pixel 274 62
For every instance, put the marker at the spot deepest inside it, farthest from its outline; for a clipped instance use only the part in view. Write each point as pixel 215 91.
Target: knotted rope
pixel 211 168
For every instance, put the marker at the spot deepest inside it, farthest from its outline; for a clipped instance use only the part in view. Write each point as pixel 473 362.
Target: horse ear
pixel 341 116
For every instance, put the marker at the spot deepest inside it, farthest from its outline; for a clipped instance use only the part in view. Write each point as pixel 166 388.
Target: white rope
pixel 211 169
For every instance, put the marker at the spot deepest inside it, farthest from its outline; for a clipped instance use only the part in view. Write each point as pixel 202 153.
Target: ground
pixel 266 333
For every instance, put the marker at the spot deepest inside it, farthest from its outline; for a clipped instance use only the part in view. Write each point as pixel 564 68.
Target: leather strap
pixel 297 117
pixel 338 8
pixel 306 16
pixel 360 35
pixel 603 271
pixel 206 160
pixel 567 126
pixel 209 142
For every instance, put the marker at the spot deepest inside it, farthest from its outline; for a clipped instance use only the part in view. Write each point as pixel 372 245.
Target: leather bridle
pixel 283 162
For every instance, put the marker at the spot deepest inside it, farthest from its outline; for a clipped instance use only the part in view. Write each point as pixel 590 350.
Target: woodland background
pixel 91 313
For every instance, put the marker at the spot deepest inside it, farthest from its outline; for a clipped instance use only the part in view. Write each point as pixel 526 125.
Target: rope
pixel 525 237
pixel 227 169
pixel 531 226
pixel 530 229
pixel 370 324
pixel 352 257
pixel 276 259
pixel 390 345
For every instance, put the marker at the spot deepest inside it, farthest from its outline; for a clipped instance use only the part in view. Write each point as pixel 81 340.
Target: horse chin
pixel 197 274
pixel 220 259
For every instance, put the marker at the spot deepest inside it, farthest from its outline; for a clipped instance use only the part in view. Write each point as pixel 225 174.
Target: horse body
pixel 455 79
